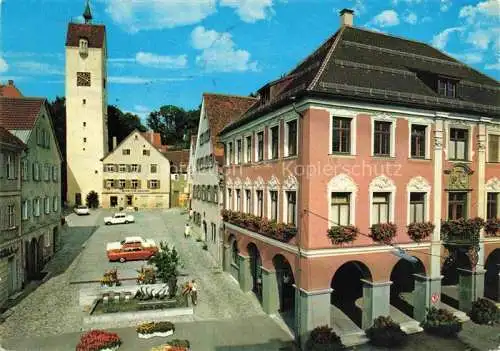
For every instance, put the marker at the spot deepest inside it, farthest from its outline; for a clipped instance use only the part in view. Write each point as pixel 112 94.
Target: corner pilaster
pixel 244 274
pixel 427 293
pixel 313 309
pixel 470 287
pixel 270 293
pixel 376 301
pixel 437 189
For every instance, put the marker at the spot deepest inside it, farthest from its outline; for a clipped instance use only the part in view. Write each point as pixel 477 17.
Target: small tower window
pixel 83 79
pixel 84 101
pixel 84 124
pixel 83 47
pixel 84 140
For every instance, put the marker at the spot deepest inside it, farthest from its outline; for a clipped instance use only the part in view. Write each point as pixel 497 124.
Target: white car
pixel 132 241
pixel 119 218
pixel 82 210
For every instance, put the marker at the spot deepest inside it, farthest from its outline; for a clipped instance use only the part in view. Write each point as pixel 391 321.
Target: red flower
pixel 96 340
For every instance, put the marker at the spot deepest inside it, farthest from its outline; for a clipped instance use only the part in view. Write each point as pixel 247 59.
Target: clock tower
pixel 86 108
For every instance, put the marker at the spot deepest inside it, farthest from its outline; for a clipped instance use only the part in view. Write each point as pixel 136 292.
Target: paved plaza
pixel 50 318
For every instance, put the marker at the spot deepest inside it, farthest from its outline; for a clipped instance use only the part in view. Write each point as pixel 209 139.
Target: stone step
pixel 462 316
pixel 354 339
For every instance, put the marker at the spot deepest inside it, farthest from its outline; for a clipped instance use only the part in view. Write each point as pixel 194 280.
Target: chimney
pixel 114 142
pixel 346 18
pixel 11 82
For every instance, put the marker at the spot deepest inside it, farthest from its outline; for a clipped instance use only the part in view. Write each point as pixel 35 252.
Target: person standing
pixel 187 230
pixel 194 292
pixel 190 214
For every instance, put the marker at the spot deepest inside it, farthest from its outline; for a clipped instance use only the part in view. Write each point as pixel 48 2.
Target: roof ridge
pixel 231 95
pixel 326 59
pixel 34 98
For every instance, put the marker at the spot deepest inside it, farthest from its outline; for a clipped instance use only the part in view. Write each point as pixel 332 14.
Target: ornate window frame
pixel 290 184
pixel 343 113
pixel 342 183
pixel 383 117
pixel 247 185
pixel 428 136
pixel 492 186
pixel 237 186
pixel 448 125
pixel 418 185
pixel 382 184
pixel 258 185
pixel 273 185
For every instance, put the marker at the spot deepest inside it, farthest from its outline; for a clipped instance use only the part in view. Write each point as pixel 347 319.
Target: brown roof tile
pixel 95 34
pixel 179 159
pixel 154 139
pixel 19 113
pixel 7 138
pixel 222 110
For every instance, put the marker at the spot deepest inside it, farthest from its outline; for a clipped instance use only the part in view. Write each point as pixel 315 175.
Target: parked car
pixel 119 218
pixel 131 249
pixel 82 210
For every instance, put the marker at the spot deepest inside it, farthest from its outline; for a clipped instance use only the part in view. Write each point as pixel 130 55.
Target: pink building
pixel 369 129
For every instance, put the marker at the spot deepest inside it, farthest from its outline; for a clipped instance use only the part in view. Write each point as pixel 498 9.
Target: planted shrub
pixel 484 312
pixel 383 232
pixel 92 199
pixel 323 339
pixel 387 333
pixel 420 231
pixel 441 322
pixel 342 234
pixel 492 227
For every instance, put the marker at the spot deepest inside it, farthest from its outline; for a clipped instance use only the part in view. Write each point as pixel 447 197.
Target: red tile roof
pixel 10 90
pixel 179 159
pixel 153 138
pixel 222 110
pixel 19 113
pixel 7 138
pixel 95 34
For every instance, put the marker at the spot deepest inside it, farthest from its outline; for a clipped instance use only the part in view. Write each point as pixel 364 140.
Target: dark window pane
pixel 418 141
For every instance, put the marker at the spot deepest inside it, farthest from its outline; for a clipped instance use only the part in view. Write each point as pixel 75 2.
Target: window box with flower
pixel 342 234
pixel 492 227
pixel 419 231
pixel 383 232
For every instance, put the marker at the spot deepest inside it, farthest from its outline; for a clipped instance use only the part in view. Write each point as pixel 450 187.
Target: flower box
pixel 342 234
pixel 152 335
pixel 419 231
pixel 492 227
pixel 99 340
pixel 383 232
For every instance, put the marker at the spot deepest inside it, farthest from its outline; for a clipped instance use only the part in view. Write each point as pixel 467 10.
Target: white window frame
pixel 341 113
pixel 11 163
pixel 25 169
pixel 238 158
pixel 383 184
pixel 110 167
pixel 428 135
pixel 237 202
pixel 134 167
pixel 491 186
pixel 246 208
pixel 55 204
pixel 36 207
pixel 270 141
pixel 273 185
pixel 122 168
pixel 258 186
pixel 454 125
pixel 418 185
pixel 488 133
pixel 47 205
pixel 25 210
pixel 342 183
pixel 245 148
pixel 11 216
pixel 256 145
pixel 286 136
pixel 290 184
pixel 229 197
pixel 383 118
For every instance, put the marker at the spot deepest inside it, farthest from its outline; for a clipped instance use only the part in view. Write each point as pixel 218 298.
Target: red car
pixel 131 253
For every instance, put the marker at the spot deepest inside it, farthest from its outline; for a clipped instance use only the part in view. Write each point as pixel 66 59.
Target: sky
pixel 171 51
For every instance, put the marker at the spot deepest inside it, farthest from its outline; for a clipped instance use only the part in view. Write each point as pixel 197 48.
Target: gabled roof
pixel 7 138
pixel 10 90
pixel 179 159
pixel 94 33
pixel 19 113
pixel 221 110
pixel 362 65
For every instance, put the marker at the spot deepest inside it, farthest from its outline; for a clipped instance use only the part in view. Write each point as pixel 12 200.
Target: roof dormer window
pixel 447 87
pixel 83 46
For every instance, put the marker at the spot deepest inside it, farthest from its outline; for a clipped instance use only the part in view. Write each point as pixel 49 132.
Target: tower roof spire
pixel 87 14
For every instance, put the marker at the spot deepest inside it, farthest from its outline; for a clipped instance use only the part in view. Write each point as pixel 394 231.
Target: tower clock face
pixel 83 79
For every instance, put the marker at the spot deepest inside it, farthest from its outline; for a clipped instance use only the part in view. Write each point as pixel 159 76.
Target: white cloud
pixel 219 52
pixel 153 60
pixel 445 5
pixel 4 67
pixel 441 39
pixel 480 39
pixel 38 68
pixel 141 111
pixel 409 2
pixel 137 15
pixel 250 10
pixel 387 18
pixel 358 7
pixel 25 54
pixel 471 58
pixel 142 80
pixel 493 66
pixel 410 17
pixel 426 19
pixel 486 8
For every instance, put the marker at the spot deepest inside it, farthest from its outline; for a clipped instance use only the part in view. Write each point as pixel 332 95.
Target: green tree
pixel 121 124
pixel 167 261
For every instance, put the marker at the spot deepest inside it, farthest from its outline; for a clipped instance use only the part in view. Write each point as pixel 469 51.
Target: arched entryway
pixel 457 259
pixel 491 278
pixel 403 284
pixel 286 289
pixel 255 270
pixel 55 239
pixel 32 259
pixel 348 288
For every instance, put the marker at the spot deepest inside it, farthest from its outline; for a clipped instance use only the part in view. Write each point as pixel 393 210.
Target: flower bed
pixel 386 333
pixel 323 338
pixel 484 312
pixel 441 322
pixel 279 231
pixel 342 234
pixel 461 230
pixel 173 345
pixel 420 231
pixel 152 329
pixel 99 340
pixel 383 232
pixel 492 227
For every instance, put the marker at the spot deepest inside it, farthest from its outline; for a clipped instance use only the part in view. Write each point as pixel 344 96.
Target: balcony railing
pixel 278 231
pixel 462 232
